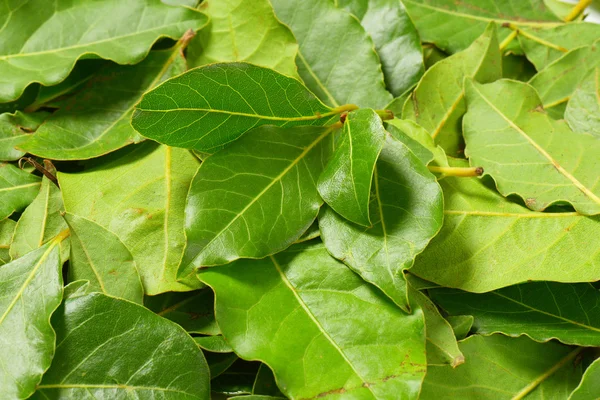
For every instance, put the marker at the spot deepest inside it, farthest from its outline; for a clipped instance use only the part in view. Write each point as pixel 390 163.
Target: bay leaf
pixel 256 197
pixel 461 324
pixel 523 149
pixel 17 188
pixel 7 229
pixel 353 340
pixel 265 384
pixel 438 104
pixel 334 50
pixel 488 242
pixel 31 290
pixel 418 140
pixel 540 310
pixel 91 333
pixel 208 107
pixel 98 256
pixel 96 120
pixel 345 184
pixel 583 109
pixel 244 30
pixel 406 211
pixel 138 193
pixel 589 387
pixel 214 344
pixel 36 49
pixel 14 130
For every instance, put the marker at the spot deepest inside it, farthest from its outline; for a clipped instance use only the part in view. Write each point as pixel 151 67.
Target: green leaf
pixel 215 344
pixel 219 363
pixel 540 310
pixel 345 184
pixel 209 107
pixel 138 194
pixel 37 49
pixel 583 109
pixel 14 130
pixel 194 311
pixel 236 380
pixel 418 140
pixel 336 58
pixel 301 310
pixel 499 367
pixel 523 149
pixel 17 188
pixel 461 325
pixel 453 25
pixel 488 242
pixel 406 211
pixel 96 120
pixel 558 81
pixel 40 223
pixel 438 103
pixel 31 290
pixel 589 387
pixel 244 30
pixel 92 334
pixel 98 256
pixel 517 68
pixel 542 46
pixel 396 40
pixel 265 383
pixel 256 197
pixel 7 229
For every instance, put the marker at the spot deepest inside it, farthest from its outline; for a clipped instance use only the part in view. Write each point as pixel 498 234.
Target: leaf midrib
pixel 114 386
pixel 242 114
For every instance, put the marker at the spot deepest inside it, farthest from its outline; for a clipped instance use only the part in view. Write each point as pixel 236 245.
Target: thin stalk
pixel 385 114
pixel 578 9
pixel 534 38
pixel 457 171
pixel 508 39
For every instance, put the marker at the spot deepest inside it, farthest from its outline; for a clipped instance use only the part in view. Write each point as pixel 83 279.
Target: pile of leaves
pixel 254 199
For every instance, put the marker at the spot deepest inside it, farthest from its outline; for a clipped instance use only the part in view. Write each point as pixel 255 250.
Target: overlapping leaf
pixel 31 290
pixel 406 212
pixel 209 107
pixel 256 197
pixel 396 40
pixel 540 310
pixel 14 130
pixel 589 387
pixel 488 242
pixel 438 103
pixel 96 120
pixel 499 367
pixel 418 141
pixel 98 256
pixel 17 188
pixel 92 332
pixel 7 229
pixel 138 193
pixel 44 40
pixel 345 184
pixel 336 58
pixel 583 109
pixel 244 30
pixel 453 25
pixel 523 149
pixel 301 310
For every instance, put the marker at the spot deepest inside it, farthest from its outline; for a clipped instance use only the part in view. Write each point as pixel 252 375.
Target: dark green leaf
pixel 589 387
pixel 461 325
pixel 219 363
pixel 265 383
pixel 7 229
pixel 17 188
pixel 214 344
pixel 15 129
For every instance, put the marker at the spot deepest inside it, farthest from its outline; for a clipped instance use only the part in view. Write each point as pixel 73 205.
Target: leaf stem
pixel 534 38
pixel 508 39
pixel 385 114
pixel 40 168
pixel 457 171
pixel 578 9
pixel 62 236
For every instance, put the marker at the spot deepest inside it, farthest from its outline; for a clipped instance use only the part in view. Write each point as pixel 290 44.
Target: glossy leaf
pixel 209 107
pixel 499 367
pixel 438 103
pixel 98 256
pixel 91 333
pixel 583 110
pixel 556 83
pixel 7 229
pixel 334 51
pixel 244 30
pixel 139 194
pixel 523 149
pixel 37 49
pixel 17 189
pixel 543 46
pixel 396 40
pixel 215 344
pixel 31 290
pixel 406 211
pixel 194 311
pixel 256 197
pixel 345 184
pixel 461 325
pixel 219 363
pixel 301 310
pixel 14 130
pixel 530 309
pixel 488 242
pixel 418 140
pixel 589 387
pixel 40 222
pixel 96 120
pixel 453 25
